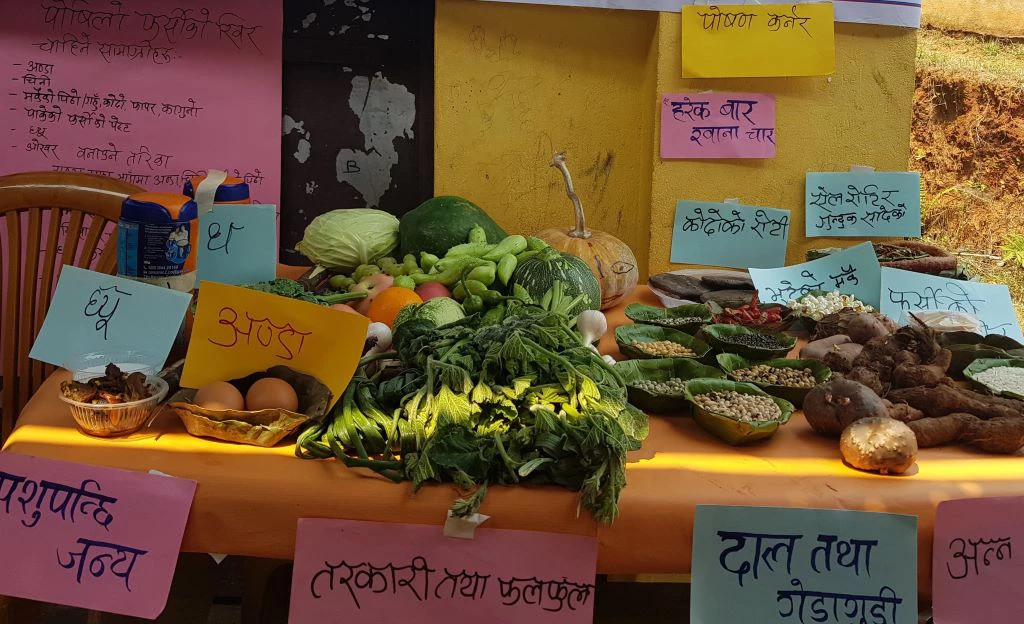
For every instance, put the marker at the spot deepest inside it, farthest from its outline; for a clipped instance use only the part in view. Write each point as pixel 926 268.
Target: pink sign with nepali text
pixel 379 572
pixel 718 125
pixel 975 576
pixel 90 537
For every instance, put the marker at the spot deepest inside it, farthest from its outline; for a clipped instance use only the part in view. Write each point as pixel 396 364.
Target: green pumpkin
pixel 539 273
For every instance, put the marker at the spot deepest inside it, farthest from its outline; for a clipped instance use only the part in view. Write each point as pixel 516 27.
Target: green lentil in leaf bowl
pixel 643 376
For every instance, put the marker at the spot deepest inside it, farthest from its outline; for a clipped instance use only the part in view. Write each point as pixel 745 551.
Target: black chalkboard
pixel 358 88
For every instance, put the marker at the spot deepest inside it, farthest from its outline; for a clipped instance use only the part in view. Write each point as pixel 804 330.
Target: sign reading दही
pixel 864 204
pixel 718 125
pixel 238 331
pixel 90 537
pixel 383 572
pixel 758 40
pixel 730 235
pixel 773 564
pixel 854 271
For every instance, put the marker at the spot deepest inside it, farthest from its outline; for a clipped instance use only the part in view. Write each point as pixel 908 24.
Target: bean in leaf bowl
pixel 686 318
pixel 751 344
pixel 998 376
pixel 652 384
pixel 784 378
pixel 650 341
pixel 720 408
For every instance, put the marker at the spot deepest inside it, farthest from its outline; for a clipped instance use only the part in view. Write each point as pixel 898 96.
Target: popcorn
pixel 817 308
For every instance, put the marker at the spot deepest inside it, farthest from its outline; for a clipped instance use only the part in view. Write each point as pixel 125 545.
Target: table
pixel 249 499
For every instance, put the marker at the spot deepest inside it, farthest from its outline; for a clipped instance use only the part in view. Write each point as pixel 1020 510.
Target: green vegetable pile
pixel 511 396
pixel 294 290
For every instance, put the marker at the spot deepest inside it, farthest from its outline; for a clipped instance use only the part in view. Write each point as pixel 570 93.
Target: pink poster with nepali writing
pixel 90 537
pixel 717 125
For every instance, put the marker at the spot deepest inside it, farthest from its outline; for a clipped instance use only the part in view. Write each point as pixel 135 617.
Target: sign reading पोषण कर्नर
pixel 729 235
pixel 863 204
pixel 773 564
pixel 853 271
pixel 717 125
pixel 758 40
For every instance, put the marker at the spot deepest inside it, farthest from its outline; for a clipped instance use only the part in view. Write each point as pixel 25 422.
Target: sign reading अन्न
pixel 718 125
pixel 773 564
pixel 90 537
pixel 865 204
pixel 383 572
pixel 854 271
pixel 729 235
pixel 758 40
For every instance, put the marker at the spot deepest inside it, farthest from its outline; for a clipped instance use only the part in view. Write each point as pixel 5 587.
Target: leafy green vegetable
pixel 346 238
pixel 293 290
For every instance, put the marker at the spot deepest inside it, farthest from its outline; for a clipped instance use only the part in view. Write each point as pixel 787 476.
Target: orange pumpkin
pixel 611 260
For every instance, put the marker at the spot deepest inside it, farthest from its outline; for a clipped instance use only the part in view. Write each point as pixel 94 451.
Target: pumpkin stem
pixel 580 231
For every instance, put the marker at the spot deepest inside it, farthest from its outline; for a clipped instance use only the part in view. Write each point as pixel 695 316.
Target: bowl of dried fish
pixel 114 404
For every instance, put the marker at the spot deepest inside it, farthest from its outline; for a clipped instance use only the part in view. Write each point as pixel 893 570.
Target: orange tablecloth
pixel 249 499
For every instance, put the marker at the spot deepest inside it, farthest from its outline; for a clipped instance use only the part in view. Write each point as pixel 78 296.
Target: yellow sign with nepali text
pixel 758 40
pixel 238 331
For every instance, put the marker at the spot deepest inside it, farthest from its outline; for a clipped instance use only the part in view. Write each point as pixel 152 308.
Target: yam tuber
pixel 938 431
pixel 1001 434
pixel 831 407
pixel 841 357
pixel 867 377
pixel 945 399
pixel 879 444
pixel 817 349
pixel 903 412
pixel 909 375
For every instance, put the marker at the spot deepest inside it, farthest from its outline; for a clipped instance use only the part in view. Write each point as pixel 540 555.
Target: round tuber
pixel 864 327
pixel 879 444
pixel 831 407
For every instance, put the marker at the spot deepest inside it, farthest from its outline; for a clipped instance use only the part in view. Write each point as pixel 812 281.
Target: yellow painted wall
pixel 514 83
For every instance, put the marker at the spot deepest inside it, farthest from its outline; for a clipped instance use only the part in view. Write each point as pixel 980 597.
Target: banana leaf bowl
pixel 730 363
pixel 982 365
pixel 699 314
pixel 720 337
pixel 726 427
pixel 967 347
pixel 662 369
pixel 626 335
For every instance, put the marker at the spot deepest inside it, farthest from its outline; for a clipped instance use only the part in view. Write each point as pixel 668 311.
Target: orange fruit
pixel 385 306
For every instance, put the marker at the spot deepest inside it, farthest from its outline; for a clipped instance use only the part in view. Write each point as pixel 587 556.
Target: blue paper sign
pixel 238 244
pixel 990 303
pixel 854 271
pixel 863 204
pixel 97 313
pixel 729 235
pixel 772 564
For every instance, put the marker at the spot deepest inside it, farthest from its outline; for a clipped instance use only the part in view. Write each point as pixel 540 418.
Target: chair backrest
pixel 47 220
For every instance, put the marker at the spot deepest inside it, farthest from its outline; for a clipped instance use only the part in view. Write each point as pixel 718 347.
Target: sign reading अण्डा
pixel 906 291
pixel 975 577
pixel 864 204
pixel 237 244
pixel 383 572
pixel 90 537
pixel 718 125
pixel 854 271
pixel 238 331
pixel 730 235
pixel 98 313
pixel 758 40
pixel 774 564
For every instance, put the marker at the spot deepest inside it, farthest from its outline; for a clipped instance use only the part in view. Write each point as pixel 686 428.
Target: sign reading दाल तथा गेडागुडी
pixel 718 125
pixel 758 40
pixel 774 564
pixel 385 572
pixel 90 537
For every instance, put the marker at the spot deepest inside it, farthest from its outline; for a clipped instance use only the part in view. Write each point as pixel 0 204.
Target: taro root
pixel 879 444
pixel 997 435
pixel 867 377
pixel 859 326
pixel 865 326
pixel 831 407
pixel 817 349
pixel 840 358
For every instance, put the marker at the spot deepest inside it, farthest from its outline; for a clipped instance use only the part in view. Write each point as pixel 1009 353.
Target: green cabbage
pixel 344 239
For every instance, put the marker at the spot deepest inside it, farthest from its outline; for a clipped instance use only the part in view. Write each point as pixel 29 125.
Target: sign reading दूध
pixel 382 572
pixel 863 204
pixel 854 271
pixel 238 331
pixel 90 537
pixel 773 564
pixel 98 313
pixel 975 577
pixel 758 40
pixel 729 235
pixel 718 125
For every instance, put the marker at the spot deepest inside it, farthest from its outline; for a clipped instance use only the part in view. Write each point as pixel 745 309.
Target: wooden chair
pixel 35 208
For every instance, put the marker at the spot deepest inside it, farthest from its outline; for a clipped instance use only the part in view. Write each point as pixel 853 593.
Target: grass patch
pixel 988 58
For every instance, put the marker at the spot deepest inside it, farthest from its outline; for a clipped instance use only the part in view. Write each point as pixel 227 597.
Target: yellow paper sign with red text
pixel 758 40
pixel 238 331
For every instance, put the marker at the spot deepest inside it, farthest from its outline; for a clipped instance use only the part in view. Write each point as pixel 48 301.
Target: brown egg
pixel 220 395
pixel 271 393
